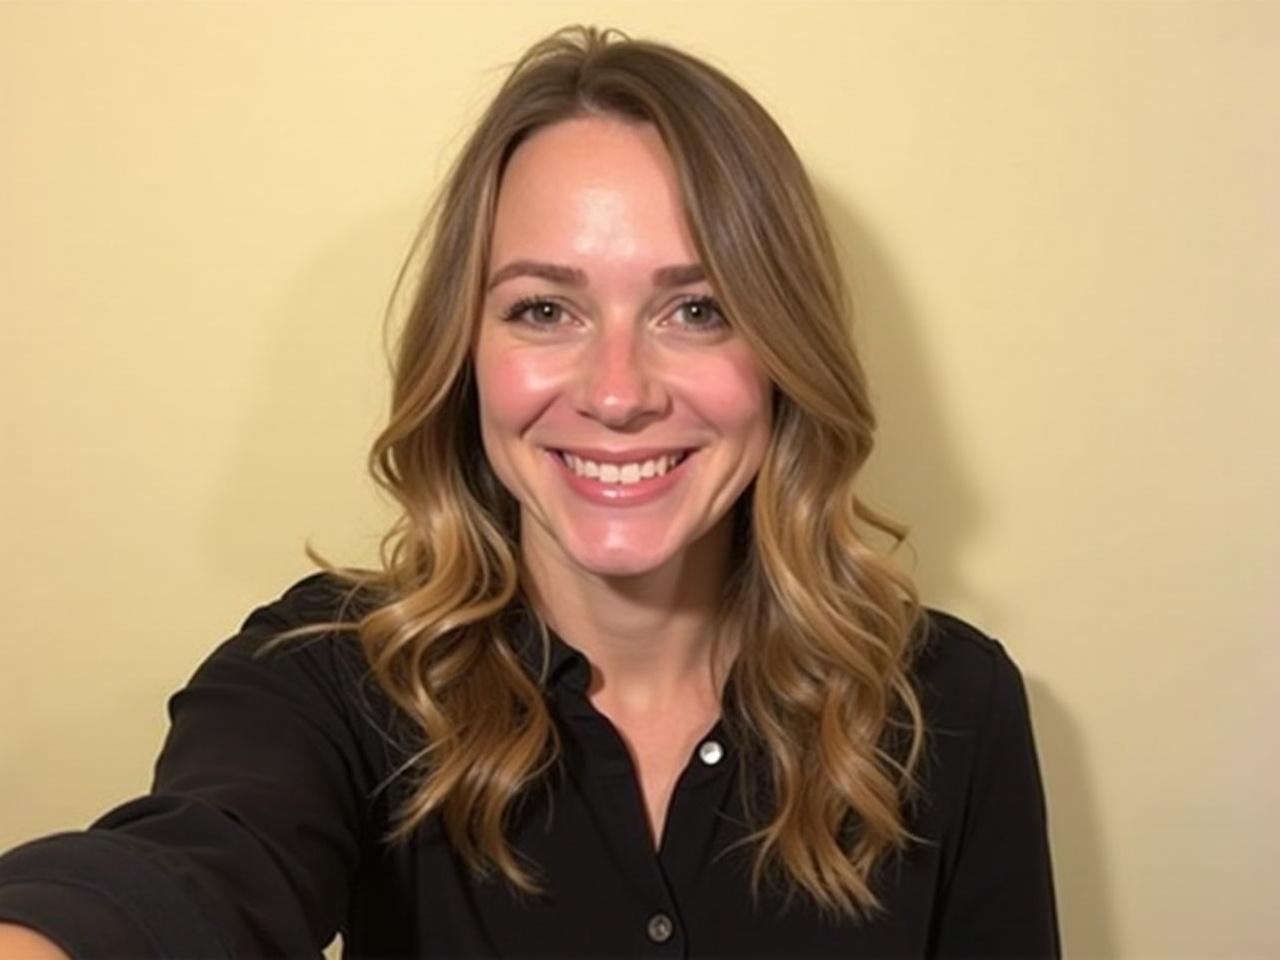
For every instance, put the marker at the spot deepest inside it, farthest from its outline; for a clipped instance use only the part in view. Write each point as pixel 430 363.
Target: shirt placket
pixel 658 878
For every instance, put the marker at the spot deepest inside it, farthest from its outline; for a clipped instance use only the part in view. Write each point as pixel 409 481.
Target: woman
pixel 631 678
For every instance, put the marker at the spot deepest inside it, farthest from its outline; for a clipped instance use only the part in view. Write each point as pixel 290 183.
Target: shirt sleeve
pixel 999 899
pixel 250 839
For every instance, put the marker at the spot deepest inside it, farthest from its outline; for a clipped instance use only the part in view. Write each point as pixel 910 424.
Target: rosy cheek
pixel 515 385
pixel 730 389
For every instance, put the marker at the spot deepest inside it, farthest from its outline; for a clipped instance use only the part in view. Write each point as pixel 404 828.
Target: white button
pixel 710 752
pixel 660 928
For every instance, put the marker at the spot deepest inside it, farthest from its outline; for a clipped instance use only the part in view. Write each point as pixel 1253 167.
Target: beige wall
pixel 1064 221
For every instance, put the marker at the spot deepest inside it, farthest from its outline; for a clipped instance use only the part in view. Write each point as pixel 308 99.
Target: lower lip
pixel 621 494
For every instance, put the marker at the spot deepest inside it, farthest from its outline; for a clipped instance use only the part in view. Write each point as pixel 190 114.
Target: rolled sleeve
pixel 95 896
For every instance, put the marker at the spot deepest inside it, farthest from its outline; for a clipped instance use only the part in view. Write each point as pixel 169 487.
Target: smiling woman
pixel 599 375
pixel 631 677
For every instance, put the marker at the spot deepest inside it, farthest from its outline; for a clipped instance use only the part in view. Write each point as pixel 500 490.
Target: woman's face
pixel 597 340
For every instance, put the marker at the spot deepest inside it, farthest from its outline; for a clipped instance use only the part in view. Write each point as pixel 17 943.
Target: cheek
pixel 512 389
pixel 733 393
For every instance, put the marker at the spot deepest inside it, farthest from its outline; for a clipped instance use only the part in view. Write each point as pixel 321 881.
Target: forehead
pixel 590 186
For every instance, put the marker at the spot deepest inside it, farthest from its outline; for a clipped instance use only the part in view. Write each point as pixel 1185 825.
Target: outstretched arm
pixel 250 839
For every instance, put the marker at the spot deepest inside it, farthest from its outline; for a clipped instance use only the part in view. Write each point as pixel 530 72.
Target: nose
pixel 619 381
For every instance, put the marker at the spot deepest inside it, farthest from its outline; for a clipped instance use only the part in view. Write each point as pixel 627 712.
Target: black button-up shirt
pixel 263 832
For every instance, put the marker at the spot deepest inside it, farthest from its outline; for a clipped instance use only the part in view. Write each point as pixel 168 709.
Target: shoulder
pixel 317 598
pixel 322 670
pixel 962 674
pixel 980 753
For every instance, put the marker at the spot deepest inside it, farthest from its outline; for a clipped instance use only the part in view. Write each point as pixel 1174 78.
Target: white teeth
pixel 621 473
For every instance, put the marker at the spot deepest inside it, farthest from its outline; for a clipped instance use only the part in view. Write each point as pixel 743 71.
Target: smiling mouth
pixel 622 473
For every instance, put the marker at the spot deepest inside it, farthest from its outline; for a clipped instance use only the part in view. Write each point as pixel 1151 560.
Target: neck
pixel 647 637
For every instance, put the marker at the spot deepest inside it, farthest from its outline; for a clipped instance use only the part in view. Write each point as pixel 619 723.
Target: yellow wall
pixel 1064 221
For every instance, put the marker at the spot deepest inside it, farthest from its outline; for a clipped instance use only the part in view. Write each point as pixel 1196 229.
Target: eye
pixel 703 313
pixel 535 311
pixel 699 313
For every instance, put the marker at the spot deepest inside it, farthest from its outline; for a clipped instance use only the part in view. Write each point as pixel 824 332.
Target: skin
pixel 623 365
pixel 22 943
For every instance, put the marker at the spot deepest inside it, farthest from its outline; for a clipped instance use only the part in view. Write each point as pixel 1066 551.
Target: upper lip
pixel 638 455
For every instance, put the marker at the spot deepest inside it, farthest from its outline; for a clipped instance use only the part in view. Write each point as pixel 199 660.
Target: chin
pixel 618 563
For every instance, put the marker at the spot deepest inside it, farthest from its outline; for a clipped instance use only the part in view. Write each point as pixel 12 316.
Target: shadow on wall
pixel 1079 848
pixel 317 396
pixel 915 474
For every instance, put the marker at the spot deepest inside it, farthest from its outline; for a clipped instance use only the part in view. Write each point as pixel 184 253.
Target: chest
pixel 591 838
pixel 660 748
pixel 658 762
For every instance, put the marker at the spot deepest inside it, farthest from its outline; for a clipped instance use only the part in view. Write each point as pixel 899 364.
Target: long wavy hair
pixel 825 623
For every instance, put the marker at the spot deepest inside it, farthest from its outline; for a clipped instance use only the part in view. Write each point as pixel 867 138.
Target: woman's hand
pixel 22 943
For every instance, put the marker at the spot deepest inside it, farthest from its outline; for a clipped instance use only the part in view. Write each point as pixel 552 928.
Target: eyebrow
pixel 674 276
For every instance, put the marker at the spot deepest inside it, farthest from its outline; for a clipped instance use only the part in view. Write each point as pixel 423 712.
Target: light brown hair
pixel 825 622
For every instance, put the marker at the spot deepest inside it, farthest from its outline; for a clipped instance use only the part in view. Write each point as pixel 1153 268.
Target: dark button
pixel 660 928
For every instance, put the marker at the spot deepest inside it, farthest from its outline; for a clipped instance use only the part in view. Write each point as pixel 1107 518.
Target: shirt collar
pixel 565 665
